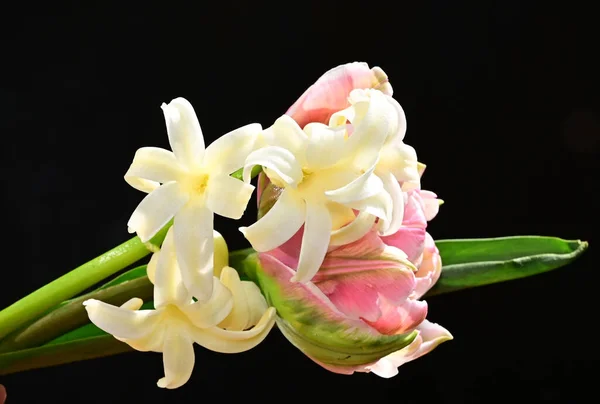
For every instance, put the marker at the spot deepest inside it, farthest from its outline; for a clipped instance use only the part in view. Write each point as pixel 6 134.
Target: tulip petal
pixel 430 269
pixel 155 210
pixel 315 241
pixel 168 284
pixel 392 187
pixel 398 319
pixel 431 204
pixel 278 225
pixel 185 134
pixel 121 322
pixel 150 167
pixel 353 231
pixel 363 187
pixel 356 276
pixel 411 240
pixel 225 341
pixel 278 163
pixel 178 358
pixel 228 153
pixel 325 145
pixel 213 311
pixel 313 324
pixel 194 246
pixel 227 196
pixel 430 336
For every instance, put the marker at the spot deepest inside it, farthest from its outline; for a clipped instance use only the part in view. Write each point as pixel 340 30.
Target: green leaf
pixel 132 274
pixel 469 263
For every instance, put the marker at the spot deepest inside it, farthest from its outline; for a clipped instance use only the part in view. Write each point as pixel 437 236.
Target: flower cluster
pixel 343 256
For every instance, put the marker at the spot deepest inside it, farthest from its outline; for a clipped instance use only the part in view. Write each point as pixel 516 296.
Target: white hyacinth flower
pixel 397 161
pixel 235 318
pixel 325 175
pixel 190 184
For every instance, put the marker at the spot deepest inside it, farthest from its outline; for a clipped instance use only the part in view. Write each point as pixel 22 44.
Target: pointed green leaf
pixel 470 263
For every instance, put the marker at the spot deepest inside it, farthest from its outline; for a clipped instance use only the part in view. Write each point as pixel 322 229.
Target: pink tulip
pixel 2 394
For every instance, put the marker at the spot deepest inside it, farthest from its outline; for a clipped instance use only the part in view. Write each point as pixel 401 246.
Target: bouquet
pixel 339 257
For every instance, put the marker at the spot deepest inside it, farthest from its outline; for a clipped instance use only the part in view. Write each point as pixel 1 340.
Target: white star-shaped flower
pixel 190 184
pixel 235 318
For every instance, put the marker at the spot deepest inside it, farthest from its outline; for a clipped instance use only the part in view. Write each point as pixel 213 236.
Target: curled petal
pixel 400 159
pixel 121 322
pixel 213 311
pixel 411 240
pixel 430 336
pixel 379 205
pixel 226 341
pixel 178 358
pixel 185 134
pixel 221 253
pixel 194 246
pixel 392 187
pixel 353 231
pixel 315 241
pixel 227 196
pixel 248 303
pixel 431 204
pixel 151 267
pixel 365 186
pixel 229 152
pixel 285 133
pixel 325 146
pixel 279 224
pixel 278 163
pixel 152 166
pixel 156 209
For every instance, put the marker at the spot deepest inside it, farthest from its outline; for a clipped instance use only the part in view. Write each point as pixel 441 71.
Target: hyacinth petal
pixel 285 133
pixel 379 205
pixel 227 196
pixel 392 187
pixel 226 341
pixel 330 92
pixel 397 133
pixel 278 225
pixel 313 324
pixel 353 231
pixel 214 310
pixel 275 161
pixel 356 276
pixel 228 153
pixel 430 269
pixel 397 319
pixel 430 336
pixel 400 159
pixel 156 209
pixel 151 267
pixel 194 246
pixel 121 322
pixel 185 134
pixel 178 359
pixel 152 166
pixel 363 187
pixel 325 145
pixel 168 284
pixel 239 316
pixel 315 241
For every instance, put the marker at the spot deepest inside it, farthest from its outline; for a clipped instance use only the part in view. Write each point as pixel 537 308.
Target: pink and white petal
pixel 363 187
pixel 121 322
pixel 227 196
pixel 178 358
pixel 398 319
pixel 411 240
pixel 168 283
pixel 225 341
pixel 185 134
pixel 152 166
pixel 325 145
pixel 194 246
pixel 353 231
pixel 431 204
pixel 229 152
pixel 392 187
pixel 213 311
pixel 156 209
pixel 279 224
pixel 330 92
pixel 275 160
pixel 356 276
pixel 315 241
pixel 430 269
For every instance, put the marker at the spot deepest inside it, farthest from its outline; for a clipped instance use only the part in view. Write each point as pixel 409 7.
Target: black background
pixel 502 105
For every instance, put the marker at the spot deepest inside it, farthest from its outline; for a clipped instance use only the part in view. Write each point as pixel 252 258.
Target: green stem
pixel 37 303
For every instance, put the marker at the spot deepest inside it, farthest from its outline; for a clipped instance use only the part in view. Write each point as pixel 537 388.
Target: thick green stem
pixel 37 303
